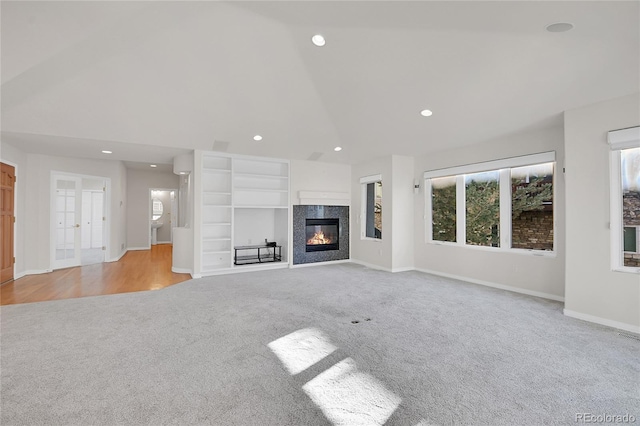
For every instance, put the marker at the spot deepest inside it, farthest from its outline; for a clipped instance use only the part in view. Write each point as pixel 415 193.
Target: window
pixel 630 176
pixel 371 207
pixel 625 199
pixel 482 205
pixel 532 207
pixel 443 195
pixel 504 204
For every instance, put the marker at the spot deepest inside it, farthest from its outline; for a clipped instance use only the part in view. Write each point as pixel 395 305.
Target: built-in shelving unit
pixel 244 200
pixel 216 213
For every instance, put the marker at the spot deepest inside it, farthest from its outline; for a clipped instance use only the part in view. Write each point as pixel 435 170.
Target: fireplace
pixel 322 234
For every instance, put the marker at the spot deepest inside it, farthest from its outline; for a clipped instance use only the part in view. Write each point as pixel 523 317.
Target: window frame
pixel 364 181
pixel 503 167
pixel 619 140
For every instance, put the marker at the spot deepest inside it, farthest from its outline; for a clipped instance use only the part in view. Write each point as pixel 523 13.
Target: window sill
pixel 537 253
pixel 371 239
pixel 627 270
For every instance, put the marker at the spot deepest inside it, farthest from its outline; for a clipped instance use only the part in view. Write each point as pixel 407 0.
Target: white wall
pixel 137 213
pixel 402 201
pixel 318 176
pixel 527 273
pixel 377 253
pixel 37 204
pixel 593 291
pixel 15 157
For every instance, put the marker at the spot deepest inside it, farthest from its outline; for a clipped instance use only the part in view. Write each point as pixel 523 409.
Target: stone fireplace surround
pixel 303 212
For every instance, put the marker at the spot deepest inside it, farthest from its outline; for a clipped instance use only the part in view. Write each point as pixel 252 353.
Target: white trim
pixel 371 179
pixel 163 242
pixel 327 262
pixel 119 257
pixel 624 138
pixel 403 269
pixel 181 270
pixel 238 269
pixel 602 321
pixel 461 212
pixel 371 265
pixel 31 272
pixel 525 160
pixel 494 285
pixel 136 248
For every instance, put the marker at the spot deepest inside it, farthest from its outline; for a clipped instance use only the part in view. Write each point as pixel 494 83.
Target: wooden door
pixel 7 186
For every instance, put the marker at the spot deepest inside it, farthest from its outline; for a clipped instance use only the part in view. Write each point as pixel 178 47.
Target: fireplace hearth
pixel 322 234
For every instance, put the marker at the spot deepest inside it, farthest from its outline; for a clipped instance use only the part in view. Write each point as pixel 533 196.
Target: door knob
pixel 77 225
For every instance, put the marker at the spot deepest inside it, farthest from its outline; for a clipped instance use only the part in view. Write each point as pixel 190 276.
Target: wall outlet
pixel 122 246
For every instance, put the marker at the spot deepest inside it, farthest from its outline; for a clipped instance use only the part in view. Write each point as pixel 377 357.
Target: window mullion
pixel 505 208
pixel 428 211
pixel 461 230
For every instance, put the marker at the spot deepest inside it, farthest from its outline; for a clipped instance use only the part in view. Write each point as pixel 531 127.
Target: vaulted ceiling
pixel 149 80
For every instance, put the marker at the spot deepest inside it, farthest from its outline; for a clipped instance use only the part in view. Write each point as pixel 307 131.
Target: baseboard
pixel 181 270
pixel 138 248
pixel 371 265
pixel 239 269
pixel 495 285
pixel 31 272
pixel 117 258
pixel 328 262
pixel 163 242
pixel 602 321
pixel 403 269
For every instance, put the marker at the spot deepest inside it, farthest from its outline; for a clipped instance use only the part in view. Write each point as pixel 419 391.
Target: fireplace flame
pixel 318 238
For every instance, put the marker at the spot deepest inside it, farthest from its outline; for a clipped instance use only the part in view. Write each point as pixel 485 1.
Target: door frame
pixel 106 230
pixel 175 192
pixel 15 214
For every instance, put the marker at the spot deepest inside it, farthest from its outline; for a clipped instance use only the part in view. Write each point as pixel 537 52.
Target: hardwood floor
pixel 137 271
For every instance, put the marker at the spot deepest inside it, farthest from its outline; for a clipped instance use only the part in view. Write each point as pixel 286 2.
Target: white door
pixel 67 205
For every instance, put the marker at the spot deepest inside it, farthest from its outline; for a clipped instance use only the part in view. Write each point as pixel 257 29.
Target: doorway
pixel 163 212
pixel 93 217
pixel 79 220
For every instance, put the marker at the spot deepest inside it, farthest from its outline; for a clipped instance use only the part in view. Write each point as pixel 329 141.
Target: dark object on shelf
pixel 270 244
pixel 257 254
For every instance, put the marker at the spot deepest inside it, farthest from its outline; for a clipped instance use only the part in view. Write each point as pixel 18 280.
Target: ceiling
pixel 151 80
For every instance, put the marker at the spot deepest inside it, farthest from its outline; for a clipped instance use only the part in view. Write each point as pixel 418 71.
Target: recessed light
pixel 107 152
pixel 337 148
pixel 559 27
pixel 426 113
pixel 152 165
pixel 183 173
pixel 318 40
pixel 257 138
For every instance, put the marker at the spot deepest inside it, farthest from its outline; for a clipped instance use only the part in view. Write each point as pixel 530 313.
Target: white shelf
pixel 261 190
pixel 261 207
pixel 258 175
pixel 243 199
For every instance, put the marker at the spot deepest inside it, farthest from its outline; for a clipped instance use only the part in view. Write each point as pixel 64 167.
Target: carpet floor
pixel 333 344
